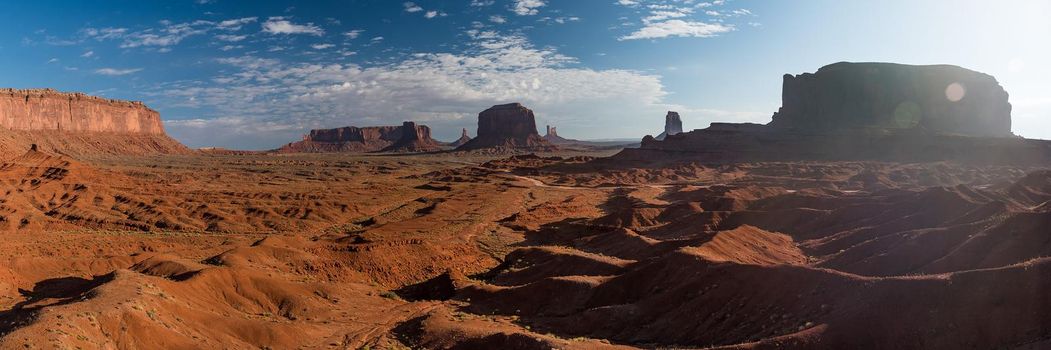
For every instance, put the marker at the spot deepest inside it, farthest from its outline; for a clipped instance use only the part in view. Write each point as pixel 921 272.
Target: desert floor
pixel 529 252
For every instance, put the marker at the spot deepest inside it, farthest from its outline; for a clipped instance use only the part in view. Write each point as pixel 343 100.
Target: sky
pixel 259 74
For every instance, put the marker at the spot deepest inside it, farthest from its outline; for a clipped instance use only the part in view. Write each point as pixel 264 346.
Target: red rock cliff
pixel 365 139
pixel 50 110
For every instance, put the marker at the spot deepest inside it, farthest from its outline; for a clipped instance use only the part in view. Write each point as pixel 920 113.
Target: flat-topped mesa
pixel 672 125
pixel 50 110
pixel 510 127
pixel 363 139
pixel 867 112
pixel 934 99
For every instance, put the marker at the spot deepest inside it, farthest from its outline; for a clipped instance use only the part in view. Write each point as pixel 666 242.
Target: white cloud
pixel 678 28
pixel 527 7
pixel 116 71
pixel 431 14
pixel 280 25
pixel 412 7
pixel 482 2
pixel 53 60
pixel 230 38
pixel 88 54
pixel 353 34
pixel 497 19
pixel 104 33
pixel 235 24
pixel 677 18
pixel 167 35
pixel 321 46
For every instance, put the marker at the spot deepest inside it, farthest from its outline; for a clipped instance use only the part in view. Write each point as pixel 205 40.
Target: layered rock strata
pixel 509 127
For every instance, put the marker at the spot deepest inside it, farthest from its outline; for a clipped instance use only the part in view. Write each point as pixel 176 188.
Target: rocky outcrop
pixel 731 143
pixel 46 109
pixel 414 138
pixel 552 136
pixel 462 140
pixel 365 139
pixel 867 111
pixel 936 99
pixel 672 125
pixel 77 124
pixel 507 127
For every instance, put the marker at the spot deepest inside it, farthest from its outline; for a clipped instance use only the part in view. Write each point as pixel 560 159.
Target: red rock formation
pixel 414 138
pixel 672 125
pixel 552 136
pixel 462 140
pixel 78 124
pixel 366 139
pixel 47 109
pixel 507 127
pixel 868 111
pixel 936 99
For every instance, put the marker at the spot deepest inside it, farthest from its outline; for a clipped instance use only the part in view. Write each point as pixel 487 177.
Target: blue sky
pixel 258 74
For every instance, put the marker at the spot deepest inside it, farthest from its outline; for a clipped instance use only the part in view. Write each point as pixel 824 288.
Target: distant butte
pixel 409 137
pixel 938 99
pixel 462 140
pixel 508 127
pixel 414 138
pixel 868 111
pixel 672 125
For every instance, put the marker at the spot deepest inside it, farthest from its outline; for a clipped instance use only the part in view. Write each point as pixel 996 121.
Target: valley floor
pixel 447 251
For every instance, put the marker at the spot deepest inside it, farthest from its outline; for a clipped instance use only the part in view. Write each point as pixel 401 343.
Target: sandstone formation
pixel 672 125
pixel 365 139
pixel 414 138
pixel 937 99
pixel 507 127
pixel 462 140
pixel 869 111
pixel 47 109
pixel 552 136
pixel 78 124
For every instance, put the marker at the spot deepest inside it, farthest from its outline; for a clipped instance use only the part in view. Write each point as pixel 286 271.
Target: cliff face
pixel 76 124
pixel 49 110
pixel 508 126
pixel 938 99
pixel 365 139
pixel 355 134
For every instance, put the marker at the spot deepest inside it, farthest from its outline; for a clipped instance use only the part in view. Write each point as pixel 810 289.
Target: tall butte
pixel 79 124
pixel 508 127
pixel 462 140
pixel 672 125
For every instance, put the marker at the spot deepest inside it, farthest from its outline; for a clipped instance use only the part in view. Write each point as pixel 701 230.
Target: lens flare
pixel 955 92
